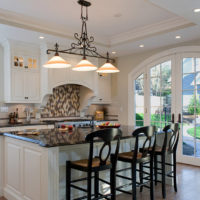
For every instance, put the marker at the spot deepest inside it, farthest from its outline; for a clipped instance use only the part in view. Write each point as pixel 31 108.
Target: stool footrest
pixel 78 188
pixel 104 181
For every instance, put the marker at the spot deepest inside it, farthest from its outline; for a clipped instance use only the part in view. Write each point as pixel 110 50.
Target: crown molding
pixel 30 23
pixel 151 30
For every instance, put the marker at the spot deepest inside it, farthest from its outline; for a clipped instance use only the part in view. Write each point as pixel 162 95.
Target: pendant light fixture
pixel 108 67
pixel 56 61
pixel 84 48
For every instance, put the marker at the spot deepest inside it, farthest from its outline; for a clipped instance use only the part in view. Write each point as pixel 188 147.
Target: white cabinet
pixel 21 72
pixel 17 85
pixel 103 90
pixel 32 86
pixel 25 86
pixel 25 170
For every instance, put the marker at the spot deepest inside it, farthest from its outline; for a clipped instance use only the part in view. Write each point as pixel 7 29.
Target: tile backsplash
pixel 65 101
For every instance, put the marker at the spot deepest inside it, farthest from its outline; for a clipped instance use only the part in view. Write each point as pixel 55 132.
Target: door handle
pixel 172 118
pixel 179 118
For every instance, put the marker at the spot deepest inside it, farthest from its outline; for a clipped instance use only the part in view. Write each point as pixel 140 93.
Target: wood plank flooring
pixel 188 186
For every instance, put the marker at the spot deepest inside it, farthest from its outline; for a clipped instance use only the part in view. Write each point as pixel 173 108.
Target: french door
pixel 188 94
pixel 171 87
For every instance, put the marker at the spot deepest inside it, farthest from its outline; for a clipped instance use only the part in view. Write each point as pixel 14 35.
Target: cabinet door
pixel 32 86
pixel 104 90
pixel 17 85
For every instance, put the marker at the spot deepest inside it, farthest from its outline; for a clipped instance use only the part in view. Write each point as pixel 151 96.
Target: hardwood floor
pixel 188 186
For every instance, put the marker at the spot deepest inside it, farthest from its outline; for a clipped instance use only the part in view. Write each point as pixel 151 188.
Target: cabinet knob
pixel 26 97
pixel 100 99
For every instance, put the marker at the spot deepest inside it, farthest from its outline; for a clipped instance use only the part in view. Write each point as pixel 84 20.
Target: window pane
pixel 139 123
pixel 155 71
pixel 188 82
pixel 197 64
pixel 188 139
pixel 155 113
pixel 139 101
pixel 155 86
pixel 188 65
pixel 166 114
pixel 188 98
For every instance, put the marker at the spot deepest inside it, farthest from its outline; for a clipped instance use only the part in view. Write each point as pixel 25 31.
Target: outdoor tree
pixel 194 104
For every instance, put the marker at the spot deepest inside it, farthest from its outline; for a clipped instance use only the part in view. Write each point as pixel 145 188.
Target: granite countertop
pixel 73 120
pixel 52 137
pixel 24 124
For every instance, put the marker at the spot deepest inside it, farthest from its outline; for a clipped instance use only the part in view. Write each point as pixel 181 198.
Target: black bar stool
pixel 95 165
pixel 140 155
pixel 169 147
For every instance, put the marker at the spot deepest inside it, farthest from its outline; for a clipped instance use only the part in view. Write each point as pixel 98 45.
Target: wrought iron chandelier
pixel 84 47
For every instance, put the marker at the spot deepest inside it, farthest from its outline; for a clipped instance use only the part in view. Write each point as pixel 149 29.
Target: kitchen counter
pixel 23 124
pixel 52 137
pixel 42 171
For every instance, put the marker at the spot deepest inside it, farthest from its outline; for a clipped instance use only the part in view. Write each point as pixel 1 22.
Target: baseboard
pixel 11 195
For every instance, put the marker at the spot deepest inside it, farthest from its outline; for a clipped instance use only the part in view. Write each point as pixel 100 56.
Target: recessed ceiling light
pixel 197 10
pixel 141 46
pixel 178 37
pixel 41 37
pixel 114 52
pixel 117 15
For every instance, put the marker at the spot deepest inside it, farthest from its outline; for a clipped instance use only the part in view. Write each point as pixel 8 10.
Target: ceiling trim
pixel 150 30
pixel 25 22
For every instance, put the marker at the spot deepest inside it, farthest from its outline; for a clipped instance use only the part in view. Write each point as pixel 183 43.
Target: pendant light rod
pixel 83 46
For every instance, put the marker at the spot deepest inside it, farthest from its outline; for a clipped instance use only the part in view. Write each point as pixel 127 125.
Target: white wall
pixel 120 80
pixel 1 73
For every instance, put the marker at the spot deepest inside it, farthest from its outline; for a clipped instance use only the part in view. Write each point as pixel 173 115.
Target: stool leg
pixel 96 184
pixel 89 181
pixel 141 176
pixel 151 180
pixel 155 168
pixel 113 179
pixel 134 195
pixel 68 180
pixel 174 160
pixel 163 176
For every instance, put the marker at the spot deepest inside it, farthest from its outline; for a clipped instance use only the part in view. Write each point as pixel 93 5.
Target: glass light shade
pixel 108 68
pixel 84 65
pixel 57 62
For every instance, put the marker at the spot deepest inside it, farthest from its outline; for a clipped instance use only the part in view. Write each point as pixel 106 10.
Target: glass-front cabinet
pixel 24 62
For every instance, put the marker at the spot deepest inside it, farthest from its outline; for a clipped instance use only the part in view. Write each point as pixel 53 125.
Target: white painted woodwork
pixel 32 86
pixel 1 165
pixel 59 77
pixel 18 85
pixel 20 82
pixel 26 170
pixel 103 90
pixel 32 174
pixel 37 173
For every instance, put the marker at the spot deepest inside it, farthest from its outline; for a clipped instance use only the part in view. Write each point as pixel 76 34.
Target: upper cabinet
pixel 103 90
pixel 25 61
pixel 21 72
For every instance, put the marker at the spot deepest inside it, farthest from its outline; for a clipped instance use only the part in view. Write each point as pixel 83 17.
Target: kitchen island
pixel 34 165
